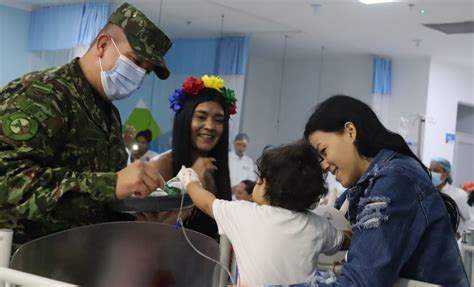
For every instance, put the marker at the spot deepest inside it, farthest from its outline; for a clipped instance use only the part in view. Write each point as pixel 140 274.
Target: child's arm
pixel 202 198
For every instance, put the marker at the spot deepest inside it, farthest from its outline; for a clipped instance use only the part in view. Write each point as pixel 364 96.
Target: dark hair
pixel 332 115
pixel 182 154
pixel 249 185
pixel 146 134
pixel 470 199
pixel 453 210
pixel 267 147
pixel 241 137
pixel 294 179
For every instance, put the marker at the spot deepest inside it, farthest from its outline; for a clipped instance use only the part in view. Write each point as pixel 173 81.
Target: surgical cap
pixel 242 137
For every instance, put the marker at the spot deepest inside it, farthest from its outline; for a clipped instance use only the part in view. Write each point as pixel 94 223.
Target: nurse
pixel 442 180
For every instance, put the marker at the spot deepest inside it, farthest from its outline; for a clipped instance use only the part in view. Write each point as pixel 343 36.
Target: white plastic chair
pixel 338 220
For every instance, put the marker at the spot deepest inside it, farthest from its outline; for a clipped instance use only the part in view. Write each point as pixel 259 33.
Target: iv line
pixel 181 224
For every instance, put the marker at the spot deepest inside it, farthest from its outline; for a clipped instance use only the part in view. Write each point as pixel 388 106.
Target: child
pixel 275 238
pixel 243 190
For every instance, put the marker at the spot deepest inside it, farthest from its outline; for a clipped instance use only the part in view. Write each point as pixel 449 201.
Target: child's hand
pixel 186 176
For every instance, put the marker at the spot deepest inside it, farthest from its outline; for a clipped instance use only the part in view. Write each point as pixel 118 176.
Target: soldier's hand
pixel 138 178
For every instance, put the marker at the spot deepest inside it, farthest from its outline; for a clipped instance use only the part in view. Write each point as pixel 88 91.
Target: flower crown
pixel 192 86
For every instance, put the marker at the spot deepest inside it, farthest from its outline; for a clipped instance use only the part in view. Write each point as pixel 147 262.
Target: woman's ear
pixel 350 130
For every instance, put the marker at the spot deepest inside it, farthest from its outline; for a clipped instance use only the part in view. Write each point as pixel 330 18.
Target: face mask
pixel 436 178
pixel 124 78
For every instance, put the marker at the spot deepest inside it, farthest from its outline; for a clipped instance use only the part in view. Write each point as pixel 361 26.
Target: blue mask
pixel 436 178
pixel 124 78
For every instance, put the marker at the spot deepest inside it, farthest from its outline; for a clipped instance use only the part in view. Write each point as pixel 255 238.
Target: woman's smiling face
pixel 207 126
pixel 339 155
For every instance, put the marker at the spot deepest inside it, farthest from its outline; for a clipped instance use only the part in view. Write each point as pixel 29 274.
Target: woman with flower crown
pixel 200 129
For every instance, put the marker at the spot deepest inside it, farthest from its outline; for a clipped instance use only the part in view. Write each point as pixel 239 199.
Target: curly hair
pixel 249 185
pixel 294 180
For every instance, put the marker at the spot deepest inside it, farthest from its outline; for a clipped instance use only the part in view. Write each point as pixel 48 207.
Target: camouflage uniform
pixel 60 148
pixel 61 143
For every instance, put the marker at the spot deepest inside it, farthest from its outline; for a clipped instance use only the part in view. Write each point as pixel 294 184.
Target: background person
pixel 243 190
pixel 241 166
pixel 442 180
pixel 129 139
pixel 143 153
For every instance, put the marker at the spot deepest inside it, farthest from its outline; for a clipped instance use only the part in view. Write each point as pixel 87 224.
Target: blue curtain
pixel 231 58
pixel 382 77
pixel 217 56
pixel 66 26
pixel 94 17
pixel 192 56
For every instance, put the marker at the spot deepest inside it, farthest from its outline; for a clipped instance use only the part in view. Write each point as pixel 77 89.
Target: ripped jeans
pixel 372 214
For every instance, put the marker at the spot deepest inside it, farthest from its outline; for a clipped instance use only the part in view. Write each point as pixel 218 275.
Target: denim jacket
pixel 400 228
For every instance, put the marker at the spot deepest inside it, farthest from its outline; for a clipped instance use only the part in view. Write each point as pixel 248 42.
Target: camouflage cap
pixel 144 37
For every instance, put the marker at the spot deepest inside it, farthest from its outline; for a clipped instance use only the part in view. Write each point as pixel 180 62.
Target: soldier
pixel 62 157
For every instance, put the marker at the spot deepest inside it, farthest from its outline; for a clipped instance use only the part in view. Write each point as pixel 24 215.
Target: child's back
pixel 274 245
pixel 276 239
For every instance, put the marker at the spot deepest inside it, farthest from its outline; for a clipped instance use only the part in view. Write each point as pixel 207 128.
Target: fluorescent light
pixel 376 1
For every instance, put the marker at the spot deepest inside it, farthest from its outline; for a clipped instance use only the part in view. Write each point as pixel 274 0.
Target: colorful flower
pixel 176 100
pixel 229 96
pixel 213 82
pixel 232 109
pixel 191 86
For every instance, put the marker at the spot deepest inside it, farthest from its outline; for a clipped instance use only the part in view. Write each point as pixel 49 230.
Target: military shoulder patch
pixel 18 126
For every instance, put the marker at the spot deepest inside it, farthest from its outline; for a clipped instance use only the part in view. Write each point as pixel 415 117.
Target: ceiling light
pixel 376 1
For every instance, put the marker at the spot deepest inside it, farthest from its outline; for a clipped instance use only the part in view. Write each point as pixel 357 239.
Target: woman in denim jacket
pixel 401 228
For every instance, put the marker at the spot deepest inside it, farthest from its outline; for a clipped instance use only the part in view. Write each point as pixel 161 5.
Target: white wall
pixel 261 93
pixel 448 86
pixel 341 74
pixel 420 85
pixel 409 96
pixel 348 75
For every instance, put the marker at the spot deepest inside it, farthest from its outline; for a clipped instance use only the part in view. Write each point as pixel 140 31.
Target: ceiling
pixel 341 26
